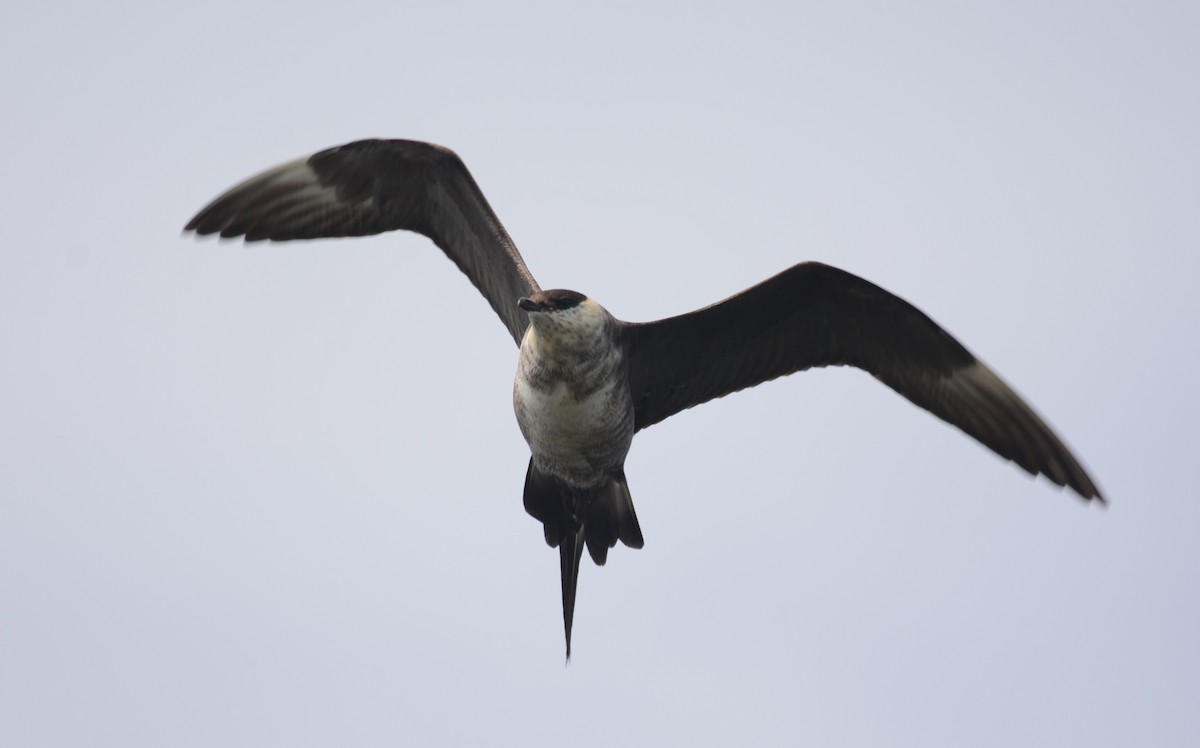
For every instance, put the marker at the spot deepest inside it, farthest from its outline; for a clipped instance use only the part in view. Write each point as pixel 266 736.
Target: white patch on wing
pixel 982 404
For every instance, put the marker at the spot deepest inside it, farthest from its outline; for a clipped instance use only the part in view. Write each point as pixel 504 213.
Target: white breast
pixel 576 418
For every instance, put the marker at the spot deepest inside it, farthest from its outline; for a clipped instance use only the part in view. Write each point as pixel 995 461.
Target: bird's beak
pixel 529 304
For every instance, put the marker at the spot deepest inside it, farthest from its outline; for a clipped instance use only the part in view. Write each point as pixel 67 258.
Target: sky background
pixel 271 495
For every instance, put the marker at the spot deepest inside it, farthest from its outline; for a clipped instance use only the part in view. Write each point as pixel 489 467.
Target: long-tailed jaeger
pixel 586 381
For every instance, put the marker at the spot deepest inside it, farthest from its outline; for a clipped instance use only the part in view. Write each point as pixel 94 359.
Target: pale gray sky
pixel 271 495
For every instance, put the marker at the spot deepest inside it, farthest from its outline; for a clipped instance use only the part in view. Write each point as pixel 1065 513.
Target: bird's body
pixel 571 395
pixel 572 401
pixel 587 382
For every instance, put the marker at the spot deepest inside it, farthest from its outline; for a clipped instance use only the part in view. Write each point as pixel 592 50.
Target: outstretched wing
pixel 373 186
pixel 815 315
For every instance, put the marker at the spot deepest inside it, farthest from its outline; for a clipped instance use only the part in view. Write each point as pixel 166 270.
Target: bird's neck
pixel 565 339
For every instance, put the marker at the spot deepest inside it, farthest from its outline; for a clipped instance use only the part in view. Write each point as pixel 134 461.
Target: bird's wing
pixel 815 315
pixel 372 186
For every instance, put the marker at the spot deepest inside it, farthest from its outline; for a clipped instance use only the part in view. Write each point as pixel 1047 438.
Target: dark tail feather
pixel 611 518
pixel 546 502
pixel 569 553
pixel 571 519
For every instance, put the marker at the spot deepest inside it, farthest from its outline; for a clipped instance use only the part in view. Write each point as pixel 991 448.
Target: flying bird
pixel 586 381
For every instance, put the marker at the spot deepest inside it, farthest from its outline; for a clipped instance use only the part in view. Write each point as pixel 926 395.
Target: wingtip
pixel 1089 494
pixel 198 228
pixel 1083 487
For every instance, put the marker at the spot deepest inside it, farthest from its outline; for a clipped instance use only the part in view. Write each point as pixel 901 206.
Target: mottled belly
pixel 581 440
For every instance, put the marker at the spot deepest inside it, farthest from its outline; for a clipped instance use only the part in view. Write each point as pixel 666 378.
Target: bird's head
pixel 555 301
pixel 564 318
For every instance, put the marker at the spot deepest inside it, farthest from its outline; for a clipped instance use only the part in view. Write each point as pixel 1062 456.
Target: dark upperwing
pixel 816 315
pixel 373 186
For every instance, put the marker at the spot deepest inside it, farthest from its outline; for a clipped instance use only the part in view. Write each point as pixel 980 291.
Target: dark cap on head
pixel 555 300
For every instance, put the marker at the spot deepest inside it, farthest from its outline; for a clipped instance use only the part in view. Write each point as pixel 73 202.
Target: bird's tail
pixel 570 550
pixel 610 517
pixel 571 519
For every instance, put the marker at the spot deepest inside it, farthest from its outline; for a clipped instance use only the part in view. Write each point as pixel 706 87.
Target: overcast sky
pixel 271 495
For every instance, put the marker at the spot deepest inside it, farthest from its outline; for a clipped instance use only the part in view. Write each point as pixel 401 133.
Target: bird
pixel 586 381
